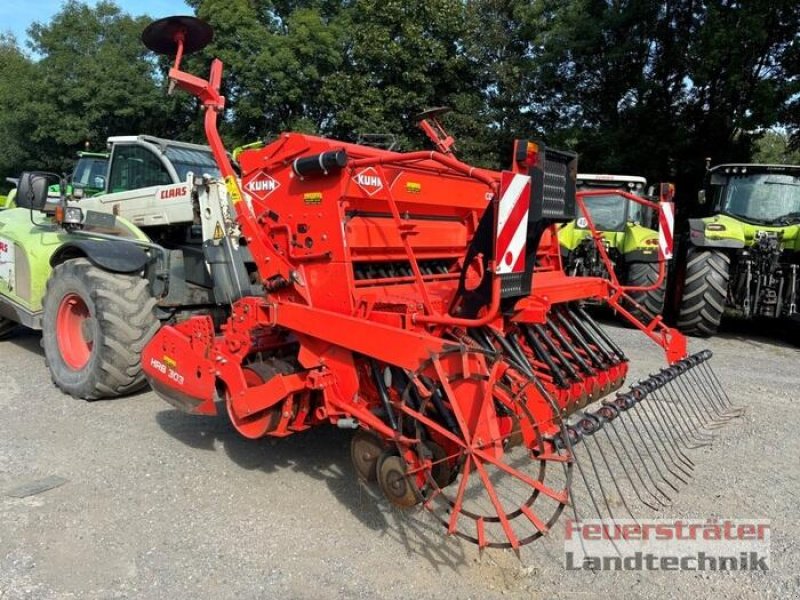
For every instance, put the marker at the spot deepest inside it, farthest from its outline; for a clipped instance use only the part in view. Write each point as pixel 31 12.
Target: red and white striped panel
pixel 666 228
pixel 512 222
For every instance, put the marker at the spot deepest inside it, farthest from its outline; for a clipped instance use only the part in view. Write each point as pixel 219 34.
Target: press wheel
pixel 394 481
pixel 365 449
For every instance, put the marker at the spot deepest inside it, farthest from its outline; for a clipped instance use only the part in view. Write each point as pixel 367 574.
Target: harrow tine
pixel 710 401
pixel 704 416
pixel 663 432
pixel 683 429
pixel 607 412
pixel 686 402
pixel 655 444
pixel 586 484
pixel 720 389
pixel 683 408
pixel 700 388
pixel 590 425
pixel 644 463
pixel 649 425
pixel 613 477
pixel 710 389
pixel 625 470
pixel 668 428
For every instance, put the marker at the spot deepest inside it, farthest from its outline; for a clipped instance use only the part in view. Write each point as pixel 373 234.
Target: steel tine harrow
pixel 647 435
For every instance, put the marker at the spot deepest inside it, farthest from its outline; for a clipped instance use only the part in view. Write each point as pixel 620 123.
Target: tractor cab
pixel 149 180
pixel 625 227
pixel 613 212
pixel 755 194
pixel 89 172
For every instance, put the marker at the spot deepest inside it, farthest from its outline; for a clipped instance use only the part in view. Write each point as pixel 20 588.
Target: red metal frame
pixel 362 270
pixel 673 342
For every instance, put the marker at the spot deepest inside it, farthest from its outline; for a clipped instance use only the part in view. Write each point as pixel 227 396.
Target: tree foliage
pixel 639 86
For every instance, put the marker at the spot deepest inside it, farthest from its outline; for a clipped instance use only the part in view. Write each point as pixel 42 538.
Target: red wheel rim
pixel 72 322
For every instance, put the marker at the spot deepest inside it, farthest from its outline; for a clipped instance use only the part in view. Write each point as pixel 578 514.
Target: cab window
pixel 135 167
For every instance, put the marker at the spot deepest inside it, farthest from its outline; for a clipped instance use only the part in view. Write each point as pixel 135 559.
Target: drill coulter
pixel 422 302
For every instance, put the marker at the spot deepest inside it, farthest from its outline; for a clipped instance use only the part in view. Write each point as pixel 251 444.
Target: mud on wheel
pixel 95 326
pixel 480 463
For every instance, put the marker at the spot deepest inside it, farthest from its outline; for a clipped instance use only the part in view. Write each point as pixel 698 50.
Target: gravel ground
pixel 158 504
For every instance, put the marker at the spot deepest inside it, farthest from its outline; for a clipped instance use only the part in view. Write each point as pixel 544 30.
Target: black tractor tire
pixel 7 327
pixel 115 319
pixel 645 274
pixel 704 292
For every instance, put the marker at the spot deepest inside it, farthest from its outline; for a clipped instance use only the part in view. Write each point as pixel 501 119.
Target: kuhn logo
pixel 262 185
pixel 369 181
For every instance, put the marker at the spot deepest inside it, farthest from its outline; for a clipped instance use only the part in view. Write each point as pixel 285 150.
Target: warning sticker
pixel 233 190
pixel 7 262
pixel 219 233
pixel 312 198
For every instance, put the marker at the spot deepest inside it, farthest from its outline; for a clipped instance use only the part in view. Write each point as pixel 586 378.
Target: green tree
pixel 773 148
pixel 405 57
pixel 655 87
pixel 277 57
pixel 18 77
pixel 94 79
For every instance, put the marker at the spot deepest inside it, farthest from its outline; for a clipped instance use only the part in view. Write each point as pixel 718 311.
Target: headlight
pixel 70 215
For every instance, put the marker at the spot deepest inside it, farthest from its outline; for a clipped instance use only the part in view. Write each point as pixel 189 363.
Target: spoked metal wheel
pixel 481 460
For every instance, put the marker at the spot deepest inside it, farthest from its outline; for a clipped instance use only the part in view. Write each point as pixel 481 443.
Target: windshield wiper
pixel 786 219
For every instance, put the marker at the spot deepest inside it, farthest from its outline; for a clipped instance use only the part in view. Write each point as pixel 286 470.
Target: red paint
pixel 72 319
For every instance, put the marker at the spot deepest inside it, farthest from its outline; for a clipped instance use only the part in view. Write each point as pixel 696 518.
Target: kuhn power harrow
pixel 421 302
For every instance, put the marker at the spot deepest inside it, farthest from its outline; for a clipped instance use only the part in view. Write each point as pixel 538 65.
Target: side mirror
pixel 701 197
pixel 32 190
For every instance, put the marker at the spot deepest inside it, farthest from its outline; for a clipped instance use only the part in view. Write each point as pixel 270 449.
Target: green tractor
pixel 98 274
pixel 88 174
pixel 740 254
pixel 630 241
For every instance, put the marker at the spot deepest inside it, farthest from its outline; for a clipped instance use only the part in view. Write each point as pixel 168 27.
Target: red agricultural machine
pixel 421 302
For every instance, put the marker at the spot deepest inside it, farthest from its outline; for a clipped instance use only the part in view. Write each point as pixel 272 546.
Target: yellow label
pixel 233 190
pixel 218 232
pixel 412 187
pixel 169 361
pixel 312 198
